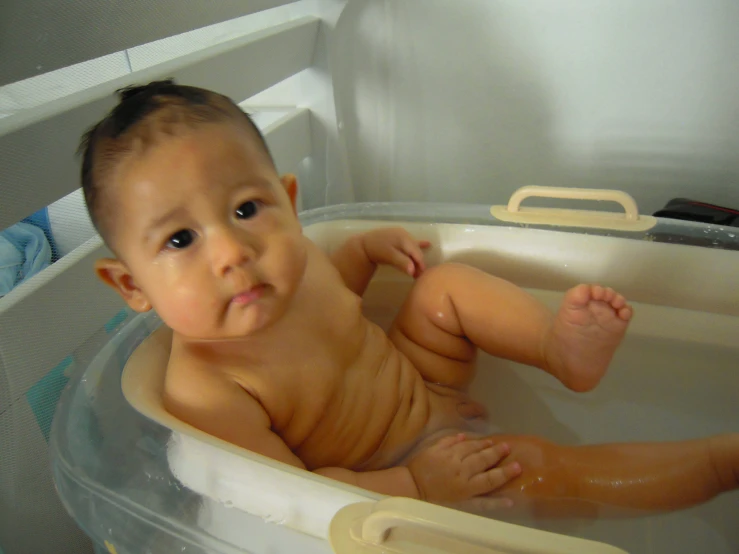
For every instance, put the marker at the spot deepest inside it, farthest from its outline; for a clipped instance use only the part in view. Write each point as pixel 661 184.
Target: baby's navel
pixel 471 410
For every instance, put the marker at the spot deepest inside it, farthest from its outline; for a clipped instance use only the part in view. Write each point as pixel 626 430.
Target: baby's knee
pixel 438 281
pixel 532 452
pixel 446 273
pixel 543 471
pixel 433 293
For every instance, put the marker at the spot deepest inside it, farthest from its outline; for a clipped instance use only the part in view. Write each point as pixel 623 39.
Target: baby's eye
pixel 247 210
pixel 181 239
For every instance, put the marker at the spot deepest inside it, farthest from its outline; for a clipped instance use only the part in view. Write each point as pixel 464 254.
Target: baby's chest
pixel 296 395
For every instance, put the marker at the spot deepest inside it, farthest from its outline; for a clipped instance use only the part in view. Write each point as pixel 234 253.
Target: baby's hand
pixel 396 247
pixel 456 469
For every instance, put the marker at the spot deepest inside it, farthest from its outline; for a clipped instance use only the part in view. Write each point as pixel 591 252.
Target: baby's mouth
pixel 249 296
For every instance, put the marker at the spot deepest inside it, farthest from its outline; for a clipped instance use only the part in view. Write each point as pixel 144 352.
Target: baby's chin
pixel 211 336
pixel 237 323
pixel 215 334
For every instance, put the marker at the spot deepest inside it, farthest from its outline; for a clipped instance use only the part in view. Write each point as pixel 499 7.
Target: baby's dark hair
pixel 141 116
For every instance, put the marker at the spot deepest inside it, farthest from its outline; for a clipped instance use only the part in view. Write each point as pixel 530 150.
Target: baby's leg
pixel 454 308
pixel 634 476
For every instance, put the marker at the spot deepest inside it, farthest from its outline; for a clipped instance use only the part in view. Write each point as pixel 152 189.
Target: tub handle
pixel 629 220
pixel 628 202
pixel 366 528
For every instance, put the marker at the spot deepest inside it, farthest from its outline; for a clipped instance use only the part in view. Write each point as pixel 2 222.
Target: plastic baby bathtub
pixel 139 481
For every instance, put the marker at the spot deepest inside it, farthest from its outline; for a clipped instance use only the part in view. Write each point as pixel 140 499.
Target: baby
pixel 271 350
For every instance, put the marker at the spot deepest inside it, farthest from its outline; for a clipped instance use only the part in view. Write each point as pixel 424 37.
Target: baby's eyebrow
pixel 162 220
pixel 261 184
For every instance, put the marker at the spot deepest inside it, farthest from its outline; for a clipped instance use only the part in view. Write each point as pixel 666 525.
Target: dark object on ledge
pixel 700 212
pixel 692 210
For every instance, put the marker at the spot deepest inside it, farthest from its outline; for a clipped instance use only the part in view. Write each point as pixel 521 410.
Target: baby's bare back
pixel 336 389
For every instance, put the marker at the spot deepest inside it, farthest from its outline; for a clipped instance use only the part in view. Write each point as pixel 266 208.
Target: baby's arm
pixel 396 481
pixel 358 258
pixel 222 408
pixel 454 470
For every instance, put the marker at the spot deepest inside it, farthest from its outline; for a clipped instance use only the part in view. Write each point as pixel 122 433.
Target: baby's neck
pixel 315 323
pixel 237 348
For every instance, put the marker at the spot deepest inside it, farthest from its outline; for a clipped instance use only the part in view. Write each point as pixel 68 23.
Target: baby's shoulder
pixel 217 404
pixel 186 375
pixel 193 389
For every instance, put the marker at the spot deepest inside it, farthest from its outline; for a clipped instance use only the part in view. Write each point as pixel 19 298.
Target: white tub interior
pixel 674 378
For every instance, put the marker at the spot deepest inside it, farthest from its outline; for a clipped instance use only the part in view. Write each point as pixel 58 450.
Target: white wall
pixel 34 91
pixel 468 100
pixel 70 222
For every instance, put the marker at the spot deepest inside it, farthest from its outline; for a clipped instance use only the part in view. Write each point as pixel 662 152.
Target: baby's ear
pixel 116 275
pixel 290 182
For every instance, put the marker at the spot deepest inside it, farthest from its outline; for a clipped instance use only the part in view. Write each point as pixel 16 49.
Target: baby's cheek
pixel 186 309
pixel 285 260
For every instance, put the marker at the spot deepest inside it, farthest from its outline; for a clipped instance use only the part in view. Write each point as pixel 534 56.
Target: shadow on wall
pixel 469 104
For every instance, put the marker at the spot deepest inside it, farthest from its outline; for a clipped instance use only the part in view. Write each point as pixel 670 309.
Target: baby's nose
pixel 231 250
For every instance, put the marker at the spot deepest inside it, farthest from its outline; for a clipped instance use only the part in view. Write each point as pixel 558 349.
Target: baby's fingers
pixel 493 479
pixel 485 459
pixel 450 440
pixel 414 251
pixel 469 447
pixel 400 261
pixel 419 266
pixel 408 262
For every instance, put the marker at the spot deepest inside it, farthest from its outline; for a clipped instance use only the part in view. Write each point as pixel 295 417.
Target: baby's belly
pixel 446 412
pixel 375 414
pixel 451 412
pixel 384 414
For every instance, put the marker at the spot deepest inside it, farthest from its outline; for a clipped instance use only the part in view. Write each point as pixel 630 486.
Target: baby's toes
pixel 625 313
pixel 597 292
pixel 609 295
pixel 622 310
pixel 618 301
pixel 578 297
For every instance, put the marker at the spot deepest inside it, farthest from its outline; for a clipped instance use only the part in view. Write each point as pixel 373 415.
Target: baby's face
pixel 207 234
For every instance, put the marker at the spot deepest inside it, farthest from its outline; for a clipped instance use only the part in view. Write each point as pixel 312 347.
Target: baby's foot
pixel 585 334
pixel 724 450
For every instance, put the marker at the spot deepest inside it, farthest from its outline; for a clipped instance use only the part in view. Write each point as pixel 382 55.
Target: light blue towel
pixel 24 251
pixel 41 219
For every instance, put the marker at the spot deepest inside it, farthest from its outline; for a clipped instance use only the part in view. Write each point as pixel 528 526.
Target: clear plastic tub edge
pixel 110 464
